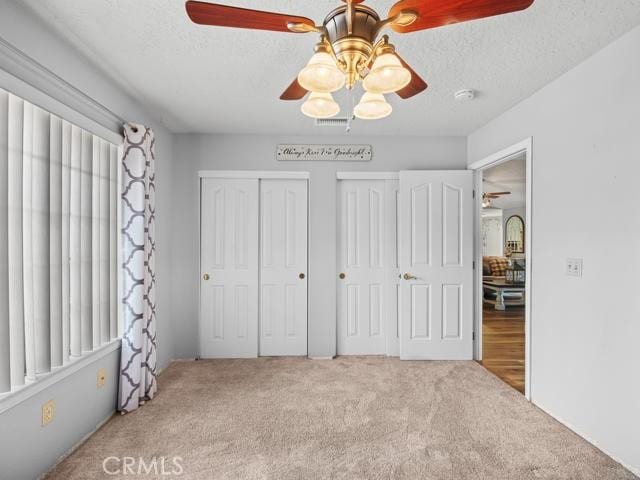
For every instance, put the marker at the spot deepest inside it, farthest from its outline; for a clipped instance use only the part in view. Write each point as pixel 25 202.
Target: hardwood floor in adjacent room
pixel 503 344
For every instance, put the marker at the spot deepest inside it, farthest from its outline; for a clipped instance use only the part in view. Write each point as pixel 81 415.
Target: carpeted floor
pixel 349 418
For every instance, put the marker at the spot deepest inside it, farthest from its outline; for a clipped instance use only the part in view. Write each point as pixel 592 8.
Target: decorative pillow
pixel 486 269
pixel 498 266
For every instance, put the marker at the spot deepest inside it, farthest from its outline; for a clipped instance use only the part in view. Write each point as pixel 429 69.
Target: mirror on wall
pixel 514 234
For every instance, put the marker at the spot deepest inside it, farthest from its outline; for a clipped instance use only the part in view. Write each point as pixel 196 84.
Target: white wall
pixel 586 168
pixel 237 152
pixel 28 449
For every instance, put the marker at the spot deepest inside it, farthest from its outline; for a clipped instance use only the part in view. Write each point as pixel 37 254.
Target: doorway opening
pixel 503 255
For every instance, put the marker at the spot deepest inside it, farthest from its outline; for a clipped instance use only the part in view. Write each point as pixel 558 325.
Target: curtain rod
pixel 76 91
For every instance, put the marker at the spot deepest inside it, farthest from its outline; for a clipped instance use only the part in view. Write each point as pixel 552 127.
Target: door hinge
pixel 473 336
pixel 474 264
pixel 474 194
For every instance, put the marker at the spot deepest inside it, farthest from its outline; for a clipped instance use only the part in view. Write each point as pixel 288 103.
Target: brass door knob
pixel 342 276
pixel 408 276
pixel 206 276
pixel 301 276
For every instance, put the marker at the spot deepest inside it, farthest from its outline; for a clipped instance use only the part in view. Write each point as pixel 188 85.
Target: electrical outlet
pixel 102 378
pixel 574 267
pixel 48 411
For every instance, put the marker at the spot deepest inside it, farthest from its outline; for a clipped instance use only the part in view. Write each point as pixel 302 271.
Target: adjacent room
pixel 503 229
pixel 346 239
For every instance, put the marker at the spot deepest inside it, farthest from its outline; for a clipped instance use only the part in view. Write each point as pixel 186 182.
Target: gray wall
pixel 26 448
pixel 243 152
pixel 586 167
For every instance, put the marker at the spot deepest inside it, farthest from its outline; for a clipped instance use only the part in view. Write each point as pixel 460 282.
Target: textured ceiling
pixel 206 79
pixel 507 177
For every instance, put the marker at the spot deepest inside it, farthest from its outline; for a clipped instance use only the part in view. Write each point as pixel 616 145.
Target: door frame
pixel 508 153
pixel 257 175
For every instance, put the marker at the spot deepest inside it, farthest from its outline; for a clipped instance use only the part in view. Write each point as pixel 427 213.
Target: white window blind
pixel 58 242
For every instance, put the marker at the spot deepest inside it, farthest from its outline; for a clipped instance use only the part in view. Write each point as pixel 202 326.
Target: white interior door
pixel 392 263
pixel 229 268
pixel 436 261
pixel 364 266
pixel 283 267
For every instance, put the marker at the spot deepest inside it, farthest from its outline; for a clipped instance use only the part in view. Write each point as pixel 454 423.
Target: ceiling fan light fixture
pixel 372 106
pixel 350 40
pixel 387 75
pixel 320 105
pixel 321 75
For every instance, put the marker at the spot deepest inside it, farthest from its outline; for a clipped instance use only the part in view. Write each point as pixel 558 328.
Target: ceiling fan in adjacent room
pixel 489 196
pixel 350 48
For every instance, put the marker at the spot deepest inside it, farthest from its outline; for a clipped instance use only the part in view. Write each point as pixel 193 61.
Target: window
pixel 58 242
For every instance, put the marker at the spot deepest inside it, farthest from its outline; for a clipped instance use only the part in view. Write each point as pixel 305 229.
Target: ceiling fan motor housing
pixel 352 47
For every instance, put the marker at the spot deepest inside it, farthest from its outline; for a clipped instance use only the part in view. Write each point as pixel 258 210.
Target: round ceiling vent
pixel 464 95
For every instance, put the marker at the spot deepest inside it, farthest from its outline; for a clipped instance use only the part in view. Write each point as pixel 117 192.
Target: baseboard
pixel 76 446
pixel 321 358
pixel 577 431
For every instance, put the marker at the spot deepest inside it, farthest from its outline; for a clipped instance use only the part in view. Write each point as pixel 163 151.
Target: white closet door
pixel 229 268
pixel 392 263
pixel 436 250
pixel 283 267
pixel 361 259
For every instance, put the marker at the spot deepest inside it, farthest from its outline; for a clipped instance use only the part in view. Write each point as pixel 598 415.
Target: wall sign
pixel 324 153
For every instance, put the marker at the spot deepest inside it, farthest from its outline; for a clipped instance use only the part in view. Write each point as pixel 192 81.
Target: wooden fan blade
pixel 416 85
pixel 295 91
pixel 225 16
pixel 436 13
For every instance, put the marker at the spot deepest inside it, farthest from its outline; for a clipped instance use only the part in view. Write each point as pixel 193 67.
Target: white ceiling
pixel 507 177
pixel 206 79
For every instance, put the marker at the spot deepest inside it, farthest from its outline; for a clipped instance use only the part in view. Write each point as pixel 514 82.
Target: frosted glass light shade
pixel 372 106
pixel 321 75
pixel 387 75
pixel 320 105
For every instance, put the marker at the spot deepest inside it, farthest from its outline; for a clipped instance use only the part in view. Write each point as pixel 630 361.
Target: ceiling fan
pixel 489 196
pixel 351 49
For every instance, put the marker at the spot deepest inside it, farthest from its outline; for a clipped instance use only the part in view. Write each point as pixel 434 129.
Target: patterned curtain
pixel 138 381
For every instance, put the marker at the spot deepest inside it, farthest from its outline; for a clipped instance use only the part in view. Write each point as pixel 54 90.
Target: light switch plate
pixel 574 267
pixel 48 411
pixel 102 378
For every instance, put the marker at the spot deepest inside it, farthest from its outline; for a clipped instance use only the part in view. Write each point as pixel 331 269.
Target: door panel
pixel 283 299
pixel 436 245
pixel 229 263
pixel 392 267
pixel 362 254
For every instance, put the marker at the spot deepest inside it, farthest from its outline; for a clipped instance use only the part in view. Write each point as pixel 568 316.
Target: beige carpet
pixel 350 418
